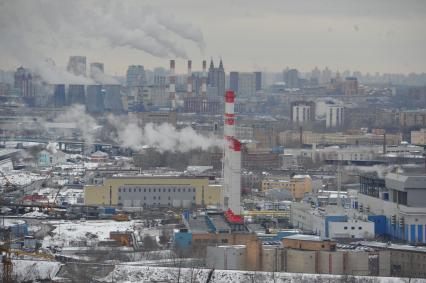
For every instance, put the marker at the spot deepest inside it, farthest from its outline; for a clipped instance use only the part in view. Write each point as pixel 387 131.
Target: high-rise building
pixel 334 116
pixel 59 95
pixel 216 78
pixel 76 94
pixel 95 99
pixel 24 82
pixel 77 65
pixel 258 76
pixel 350 86
pixel 113 100
pixel 291 78
pixel 233 81
pixel 246 84
pixel 135 76
pixel 302 112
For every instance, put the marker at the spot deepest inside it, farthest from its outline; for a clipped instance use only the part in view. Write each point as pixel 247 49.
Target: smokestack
pixel 189 82
pixel 172 82
pixel 232 158
pixel 204 79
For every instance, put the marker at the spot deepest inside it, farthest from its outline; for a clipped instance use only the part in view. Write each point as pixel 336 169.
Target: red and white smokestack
pixel 204 79
pixel 189 82
pixel 172 84
pixel 229 118
pixel 232 158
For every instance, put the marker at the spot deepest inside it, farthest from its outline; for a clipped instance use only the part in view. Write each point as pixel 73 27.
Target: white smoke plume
pixel 100 77
pixel 67 25
pixel 164 137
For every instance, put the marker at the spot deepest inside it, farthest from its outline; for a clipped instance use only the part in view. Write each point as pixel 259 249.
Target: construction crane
pixel 6 258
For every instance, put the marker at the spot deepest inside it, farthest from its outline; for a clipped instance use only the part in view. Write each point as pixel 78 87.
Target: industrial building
pixel 298 185
pixel 154 191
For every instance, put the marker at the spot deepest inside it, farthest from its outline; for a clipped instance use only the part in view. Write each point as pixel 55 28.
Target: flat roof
pixel 302 237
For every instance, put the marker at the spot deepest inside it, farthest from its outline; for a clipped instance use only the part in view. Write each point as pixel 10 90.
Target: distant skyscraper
pixel 258 76
pixel 59 95
pixel 113 101
pixel 136 76
pixel 95 99
pixel 216 78
pixel 77 65
pixel 233 81
pixel 246 84
pixel 291 78
pixel 76 94
pixel 350 86
pixel 24 82
pixel 96 67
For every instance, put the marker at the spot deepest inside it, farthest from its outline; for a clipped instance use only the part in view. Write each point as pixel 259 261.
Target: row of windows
pixel 352 228
pixel 134 190
pixel 154 198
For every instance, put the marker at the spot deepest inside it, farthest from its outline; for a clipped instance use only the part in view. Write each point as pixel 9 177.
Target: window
pixel 178 190
pixel 134 190
pixel 174 190
pixel 119 190
pixel 164 190
pixel 124 190
pixel 144 198
pixel 139 189
pixel 154 198
pixel 144 190
pixel 159 197
pixel 169 197
pixel 154 190
pixel 119 197
pixel 352 228
pixel 183 189
pixel 359 228
pixel 149 190
pixel 193 190
pixel 169 190
pixel 346 227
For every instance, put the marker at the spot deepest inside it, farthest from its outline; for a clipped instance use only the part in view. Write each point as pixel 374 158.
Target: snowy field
pixel 70 231
pixel 123 273
pixel 20 178
pixel 33 270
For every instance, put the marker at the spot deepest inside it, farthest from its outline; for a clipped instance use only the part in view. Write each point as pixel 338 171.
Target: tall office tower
pixel 350 86
pixel 95 99
pixel 76 94
pixel 24 82
pixel 246 84
pixel 113 100
pixel 59 95
pixel 258 76
pixel 96 68
pixel 233 81
pixel 77 65
pixel 216 78
pixel 292 78
pixel 136 76
pixel 231 159
pixel 334 116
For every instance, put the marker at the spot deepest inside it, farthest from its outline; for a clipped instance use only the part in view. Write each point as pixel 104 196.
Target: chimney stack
pixel 204 79
pixel 189 81
pixel 172 82
pixel 232 159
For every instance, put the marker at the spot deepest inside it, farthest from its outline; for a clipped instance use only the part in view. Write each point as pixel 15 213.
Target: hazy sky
pixel 384 36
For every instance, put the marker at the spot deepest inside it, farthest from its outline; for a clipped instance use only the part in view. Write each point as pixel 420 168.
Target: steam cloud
pixel 128 133
pixel 28 26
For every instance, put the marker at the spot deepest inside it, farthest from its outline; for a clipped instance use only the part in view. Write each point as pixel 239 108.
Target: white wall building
pixel 334 116
pixel 301 114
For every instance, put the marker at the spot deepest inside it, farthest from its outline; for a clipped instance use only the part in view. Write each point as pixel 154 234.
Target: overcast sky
pixel 383 36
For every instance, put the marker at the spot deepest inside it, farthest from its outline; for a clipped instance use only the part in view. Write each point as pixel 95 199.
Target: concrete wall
pixel 300 261
pixel 226 257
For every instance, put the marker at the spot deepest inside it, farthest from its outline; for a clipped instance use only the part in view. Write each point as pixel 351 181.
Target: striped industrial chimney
pixel 172 85
pixel 204 79
pixel 231 158
pixel 189 81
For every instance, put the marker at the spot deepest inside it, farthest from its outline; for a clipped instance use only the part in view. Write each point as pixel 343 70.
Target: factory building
pixel 159 191
pixel 298 185
pixel 399 207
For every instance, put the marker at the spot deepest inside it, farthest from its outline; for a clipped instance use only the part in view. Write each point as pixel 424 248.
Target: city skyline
pixel 382 36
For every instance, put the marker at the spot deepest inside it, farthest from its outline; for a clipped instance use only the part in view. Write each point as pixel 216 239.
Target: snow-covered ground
pixel 20 178
pixel 126 273
pixel 33 270
pixel 73 231
pixel 69 195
